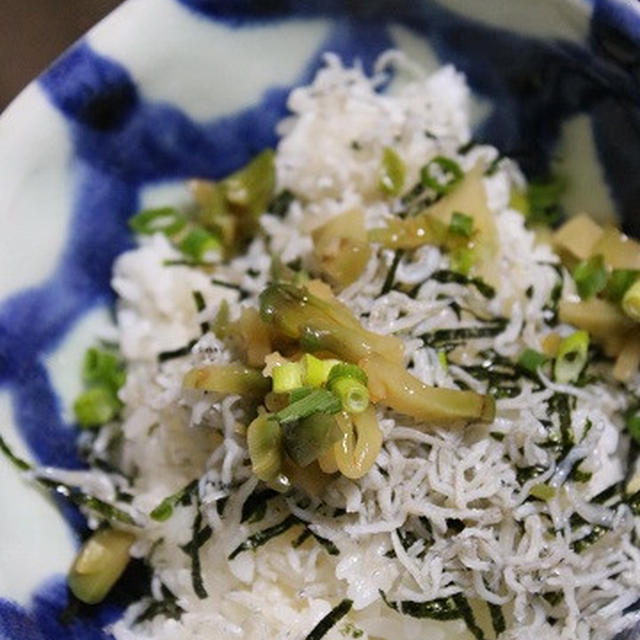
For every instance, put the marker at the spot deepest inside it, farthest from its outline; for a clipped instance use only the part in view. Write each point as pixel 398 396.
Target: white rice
pixel 510 550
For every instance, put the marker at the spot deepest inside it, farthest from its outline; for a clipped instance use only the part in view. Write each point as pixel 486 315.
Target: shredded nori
pixel 497 618
pixel 198 298
pixel 73 494
pixel 329 547
pixel 596 533
pixel 391 274
pixel 255 506
pixel 230 285
pixel 168 607
pixel 163 356
pixel 192 549
pixel 554 297
pixel 559 403
pixel 262 537
pixel 438 609
pixel 467 615
pixel 281 203
pixel 446 276
pixel 330 620
pixel 441 338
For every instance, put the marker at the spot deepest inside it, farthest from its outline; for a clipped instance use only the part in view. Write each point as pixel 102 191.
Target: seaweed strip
pixel 262 537
pixel 391 274
pixel 467 615
pixel 280 204
pixel 451 337
pixel 330 620
pixel 438 609
pixel 255 506
pixel 192 549
pixel 167 607
pixel 73 494
pixel 198 298
pixel 446 276
pixel 165 509
pixel 497 618
pixel 329 547
pixel 163 356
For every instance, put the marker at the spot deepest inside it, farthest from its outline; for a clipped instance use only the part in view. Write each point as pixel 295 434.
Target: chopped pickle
pixel 394 386
pixel 99 563
pixel 264 440
pixel 432 225
pixel 231 207
pixel 628 359
pixel 603 320
pixel 359 443
pixel 392 172
pixel 619 251
pixel 342 250
pixel 577 237
pixel 228 378
pixel 307 439
pixel 631 301
pixel 254 336
pixel 320 325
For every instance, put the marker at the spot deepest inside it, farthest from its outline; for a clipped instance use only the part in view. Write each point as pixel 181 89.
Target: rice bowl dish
pixel 353 393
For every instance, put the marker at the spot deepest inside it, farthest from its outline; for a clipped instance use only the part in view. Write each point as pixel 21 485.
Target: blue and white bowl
pixel 167 89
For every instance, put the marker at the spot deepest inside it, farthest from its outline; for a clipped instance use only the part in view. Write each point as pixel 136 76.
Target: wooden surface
pixel 34 32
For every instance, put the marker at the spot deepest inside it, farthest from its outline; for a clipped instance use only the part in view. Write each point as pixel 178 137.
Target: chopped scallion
pixel 352 393
pixel 392 173
pixel 461 224
pixel 316 371
pixel 590 276
pixel 317 401
pixel 198 242
pixel 166 220
pixel 95 406
pixel 452 175
pixel 631 301
pixel 633 425
pixel 571 357
pixel 542 491
pixel 344 370
pixel 531 360
pixel 287 376
pixel 620 280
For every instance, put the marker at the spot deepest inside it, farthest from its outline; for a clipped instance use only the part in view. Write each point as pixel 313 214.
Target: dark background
pixel 34 32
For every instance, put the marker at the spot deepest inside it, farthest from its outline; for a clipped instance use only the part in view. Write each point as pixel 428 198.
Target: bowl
pixel 163 90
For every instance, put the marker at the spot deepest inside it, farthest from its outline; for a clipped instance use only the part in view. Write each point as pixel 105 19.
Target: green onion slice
pixel 316 401
pixel 96 406
pixel 392 173
pixel 165 220
pixel 531 360
pixel 590 276
pixel 453 174
pixel 198 242
pixel 461 224
pixel 571 357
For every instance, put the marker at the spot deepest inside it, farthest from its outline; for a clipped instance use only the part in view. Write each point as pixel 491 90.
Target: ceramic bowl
pixel 166 89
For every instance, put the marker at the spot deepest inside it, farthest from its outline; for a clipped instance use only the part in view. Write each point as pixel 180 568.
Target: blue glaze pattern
pixel 123 142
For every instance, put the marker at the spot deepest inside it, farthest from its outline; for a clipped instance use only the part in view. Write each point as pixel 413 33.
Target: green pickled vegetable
pixel 316 401
pixel 392 172
pixel 461 224
pixel 620 280
pixel 571 357
pixel 590 276
pixel 96 406
pixel 100 562
pixel 264 439
pixel 631 301
pixel 307 439
pixel 165 220
pixel 227 379
pixel 320 325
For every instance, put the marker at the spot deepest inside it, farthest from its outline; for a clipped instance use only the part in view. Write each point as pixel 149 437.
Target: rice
pixel 443 511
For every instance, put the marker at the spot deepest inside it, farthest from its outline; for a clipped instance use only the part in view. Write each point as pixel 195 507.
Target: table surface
pixel 34 32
